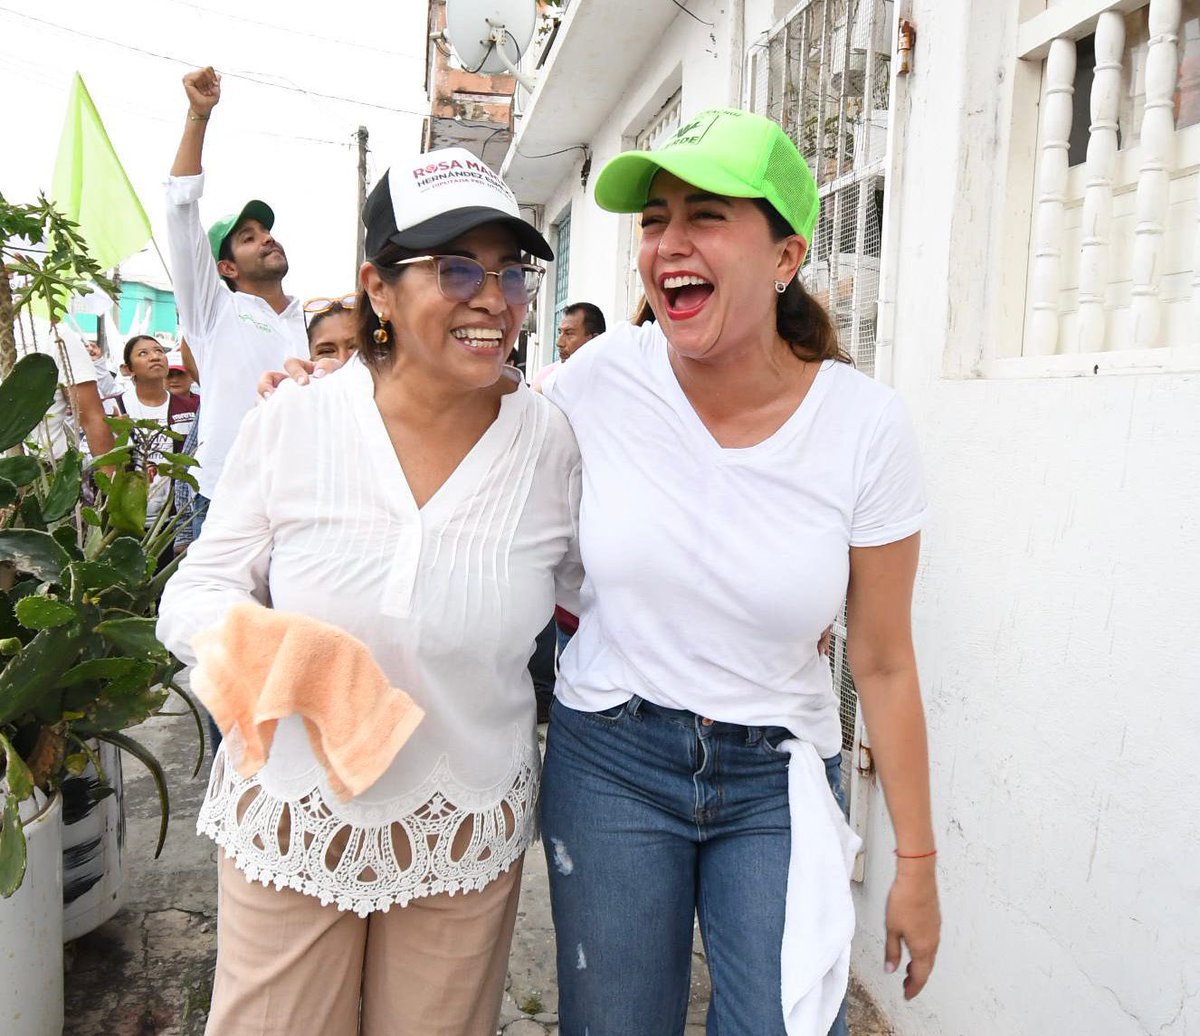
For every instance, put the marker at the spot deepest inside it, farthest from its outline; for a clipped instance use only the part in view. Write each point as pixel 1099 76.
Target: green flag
pixel 90 185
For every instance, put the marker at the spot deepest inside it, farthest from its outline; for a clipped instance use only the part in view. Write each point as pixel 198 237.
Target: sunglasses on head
pixel 323 305
pixel 461 279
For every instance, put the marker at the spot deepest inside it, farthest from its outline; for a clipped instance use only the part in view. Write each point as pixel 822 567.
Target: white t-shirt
pixel 711 573
pixel 314 513
pixel 233 336
pixel 75 367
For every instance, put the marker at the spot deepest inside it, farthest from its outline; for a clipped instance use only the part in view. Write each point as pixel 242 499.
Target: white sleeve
pixel 890 505
pixel 81 368
pixel 230 561
pixel 572 378
pixel 568 576
pixel 199 290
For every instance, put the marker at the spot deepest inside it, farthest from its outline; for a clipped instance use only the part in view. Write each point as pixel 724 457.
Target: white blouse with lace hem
pixel 314 514
pixel 294 842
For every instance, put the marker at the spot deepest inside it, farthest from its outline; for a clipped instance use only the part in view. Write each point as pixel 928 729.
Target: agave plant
pixel 80 578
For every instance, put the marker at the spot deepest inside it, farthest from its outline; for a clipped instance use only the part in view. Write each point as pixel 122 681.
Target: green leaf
pixel 34 552
pixel 8 493
pixel 66 537
pixel 98 669
pixel 16 773
pixel 20 471
pixel 43 613
pixel 183 459
pixel 126 557
pixel 134 635
pixel 156 771
pixel 90 515
pixel 127 502
pixel 25 396
pixel 113 459
pixel 32 675
pixel 31 511
pixel 12 848
pixel 64 490
pixel 112 712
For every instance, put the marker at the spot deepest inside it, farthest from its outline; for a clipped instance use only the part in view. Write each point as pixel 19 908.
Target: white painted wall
pixel 1056 618
pixel 1057 611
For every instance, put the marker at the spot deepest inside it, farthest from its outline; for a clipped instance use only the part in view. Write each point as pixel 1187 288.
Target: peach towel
pixel 260 665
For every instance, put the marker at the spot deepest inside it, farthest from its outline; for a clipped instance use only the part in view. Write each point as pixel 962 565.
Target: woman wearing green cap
pixel 740 480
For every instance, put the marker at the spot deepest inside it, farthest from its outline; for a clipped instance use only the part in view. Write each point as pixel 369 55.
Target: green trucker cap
pixel 220 230
pixel 725 151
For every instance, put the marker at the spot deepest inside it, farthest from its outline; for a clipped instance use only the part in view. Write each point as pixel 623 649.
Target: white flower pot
pixel 93 847
pixel 31 952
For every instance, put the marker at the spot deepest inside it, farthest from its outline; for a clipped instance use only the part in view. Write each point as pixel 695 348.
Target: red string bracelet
pixel 918 856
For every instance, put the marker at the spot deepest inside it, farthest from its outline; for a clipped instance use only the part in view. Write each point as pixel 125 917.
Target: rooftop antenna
pixel 490 36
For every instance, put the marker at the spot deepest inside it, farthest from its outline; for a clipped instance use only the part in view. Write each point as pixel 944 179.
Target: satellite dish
pixel 489 36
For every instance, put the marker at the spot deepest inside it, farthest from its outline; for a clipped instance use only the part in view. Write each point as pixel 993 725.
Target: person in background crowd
pixel 580 323
pixel 331 328
pixel 423 500
pixel 147 398
pixel 78 408
pixel 107 382
pixel 229 289
pixel 179 378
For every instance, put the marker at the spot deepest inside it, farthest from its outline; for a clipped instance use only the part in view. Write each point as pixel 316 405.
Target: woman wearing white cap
pixel 422 500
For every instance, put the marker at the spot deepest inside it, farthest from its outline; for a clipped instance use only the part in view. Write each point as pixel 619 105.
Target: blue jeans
pixel 199 513
pixel 650 817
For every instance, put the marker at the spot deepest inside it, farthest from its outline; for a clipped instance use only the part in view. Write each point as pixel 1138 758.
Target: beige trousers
pixel 287 965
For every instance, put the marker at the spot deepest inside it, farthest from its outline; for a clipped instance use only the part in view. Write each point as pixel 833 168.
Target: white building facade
pixel 1010 236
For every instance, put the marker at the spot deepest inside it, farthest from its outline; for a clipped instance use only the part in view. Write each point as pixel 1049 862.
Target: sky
pixel 271 136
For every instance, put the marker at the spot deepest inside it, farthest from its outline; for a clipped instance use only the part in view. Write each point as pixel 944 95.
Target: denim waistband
pixel 703 726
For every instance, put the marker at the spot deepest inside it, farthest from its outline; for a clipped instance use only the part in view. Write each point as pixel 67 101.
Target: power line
pixel 194 64
pixel 37 73
pixel 694 17
pixel 275 27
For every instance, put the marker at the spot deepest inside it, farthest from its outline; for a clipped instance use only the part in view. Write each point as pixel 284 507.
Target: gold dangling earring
pixel 380 334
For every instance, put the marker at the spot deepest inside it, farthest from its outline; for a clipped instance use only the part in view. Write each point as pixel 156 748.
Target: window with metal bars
pixel 824 74
pixel 562 266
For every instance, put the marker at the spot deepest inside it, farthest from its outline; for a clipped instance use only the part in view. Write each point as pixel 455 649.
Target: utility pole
pixel 362 200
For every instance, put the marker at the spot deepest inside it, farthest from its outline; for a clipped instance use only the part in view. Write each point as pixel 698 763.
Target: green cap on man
pixel 723 151
pixel 223 227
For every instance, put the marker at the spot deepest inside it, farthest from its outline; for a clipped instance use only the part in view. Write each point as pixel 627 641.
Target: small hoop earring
pixel 380 334
pixel 780 287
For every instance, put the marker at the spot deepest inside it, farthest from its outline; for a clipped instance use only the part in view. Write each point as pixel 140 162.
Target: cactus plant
pixel 80 576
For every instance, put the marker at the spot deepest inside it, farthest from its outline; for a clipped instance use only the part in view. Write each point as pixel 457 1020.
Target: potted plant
pixel 80 569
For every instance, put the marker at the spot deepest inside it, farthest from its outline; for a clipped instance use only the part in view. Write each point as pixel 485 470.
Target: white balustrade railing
pixel 1046 279
pixel 1154 177
pixel 1095 244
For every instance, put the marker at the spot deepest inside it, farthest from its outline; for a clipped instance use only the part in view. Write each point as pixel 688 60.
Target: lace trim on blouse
pixel 303 844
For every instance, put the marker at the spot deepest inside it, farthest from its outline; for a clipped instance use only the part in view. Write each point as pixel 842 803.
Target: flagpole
pixel 161 259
